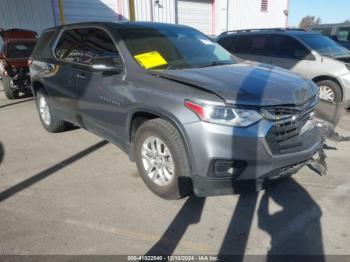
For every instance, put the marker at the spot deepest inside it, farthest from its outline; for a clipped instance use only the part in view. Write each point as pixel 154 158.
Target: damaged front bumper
pixel 229 159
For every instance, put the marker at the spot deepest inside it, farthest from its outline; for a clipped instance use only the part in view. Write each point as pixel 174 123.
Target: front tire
pixel 9 91
pixel 330 91
pixel 46 114
pixel 162 160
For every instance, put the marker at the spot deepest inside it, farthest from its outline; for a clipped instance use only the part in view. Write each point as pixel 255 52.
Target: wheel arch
pixel 331 78
pixel 139 115
pixel 36 85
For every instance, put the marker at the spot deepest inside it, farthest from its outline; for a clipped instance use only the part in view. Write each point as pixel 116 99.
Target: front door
pixel 102 93
pixel 288 53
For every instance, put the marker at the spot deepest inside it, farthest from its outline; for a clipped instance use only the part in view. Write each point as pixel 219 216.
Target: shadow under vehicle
pixel 17 46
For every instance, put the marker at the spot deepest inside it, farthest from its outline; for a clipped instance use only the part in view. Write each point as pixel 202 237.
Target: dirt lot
pixel 73 193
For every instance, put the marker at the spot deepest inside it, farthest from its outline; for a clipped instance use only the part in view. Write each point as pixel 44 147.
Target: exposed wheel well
pixel 36 86
pixel 137 120
pixel 322 78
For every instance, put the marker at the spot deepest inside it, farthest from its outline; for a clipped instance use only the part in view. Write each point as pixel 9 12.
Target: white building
pixel 210 16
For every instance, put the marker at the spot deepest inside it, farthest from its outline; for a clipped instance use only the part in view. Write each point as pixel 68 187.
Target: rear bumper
pixel 212 143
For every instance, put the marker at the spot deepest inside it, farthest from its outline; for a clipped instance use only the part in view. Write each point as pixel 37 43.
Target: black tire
pixel 28 92
pixel 180 184
pixel 338 95
pixel 9 92
pixel 55 125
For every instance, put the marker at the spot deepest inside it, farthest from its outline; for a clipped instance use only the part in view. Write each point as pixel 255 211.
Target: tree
pixel 308 21
pixel 346 21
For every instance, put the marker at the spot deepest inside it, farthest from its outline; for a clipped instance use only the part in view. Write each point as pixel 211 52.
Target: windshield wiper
pixel 214 63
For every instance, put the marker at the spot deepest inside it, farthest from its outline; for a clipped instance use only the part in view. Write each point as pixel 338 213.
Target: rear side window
pixel 252 44
pixel 44 44
pixel 287 47
pixel 226 42
pixel 98 44
pixel 67 48
pixel 82 45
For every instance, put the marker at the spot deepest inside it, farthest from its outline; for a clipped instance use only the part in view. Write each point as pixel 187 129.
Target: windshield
pixel 19 49
pixel 324 45
pixel 173 48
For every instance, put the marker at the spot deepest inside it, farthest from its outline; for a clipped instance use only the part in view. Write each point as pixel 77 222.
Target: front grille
pixel 285 135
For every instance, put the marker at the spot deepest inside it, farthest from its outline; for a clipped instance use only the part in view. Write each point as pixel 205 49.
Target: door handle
pixel 81 76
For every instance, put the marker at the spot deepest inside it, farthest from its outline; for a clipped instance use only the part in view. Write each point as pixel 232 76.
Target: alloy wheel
pixel 44 110
pixel 327 93
pixel 157 161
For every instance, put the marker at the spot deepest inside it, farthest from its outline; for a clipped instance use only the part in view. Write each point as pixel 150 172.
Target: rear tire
pixel 46 114
pixel 330 91
pixel 9 92
pixel 170 164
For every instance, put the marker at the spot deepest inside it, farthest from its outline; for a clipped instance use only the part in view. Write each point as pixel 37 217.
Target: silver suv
pixel 310 54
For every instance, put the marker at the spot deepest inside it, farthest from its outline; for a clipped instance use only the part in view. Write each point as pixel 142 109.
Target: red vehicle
pixel 17 46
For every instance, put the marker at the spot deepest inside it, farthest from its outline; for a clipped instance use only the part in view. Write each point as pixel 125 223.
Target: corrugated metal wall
pixel 164 11
pixel 229 14
pixel 149 10
pixel 247 14
pixel 27 14
pixel 92 10
pixel 197 14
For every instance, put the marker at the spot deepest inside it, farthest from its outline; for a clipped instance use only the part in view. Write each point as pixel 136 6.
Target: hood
pixel 247 84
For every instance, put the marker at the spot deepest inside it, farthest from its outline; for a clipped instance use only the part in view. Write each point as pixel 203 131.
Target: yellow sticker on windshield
pixel 150 59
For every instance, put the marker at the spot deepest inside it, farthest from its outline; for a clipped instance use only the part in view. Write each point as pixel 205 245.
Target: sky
pixel 330 11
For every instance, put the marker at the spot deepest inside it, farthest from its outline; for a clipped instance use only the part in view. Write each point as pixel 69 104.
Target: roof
pixel 281 31
pixel 119 24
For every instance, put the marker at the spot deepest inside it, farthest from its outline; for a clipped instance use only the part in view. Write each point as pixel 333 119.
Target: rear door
pixel 63 83
pixel 102 93
pixel 252 47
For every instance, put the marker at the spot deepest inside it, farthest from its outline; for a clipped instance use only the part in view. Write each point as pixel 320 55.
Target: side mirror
pixel 107 64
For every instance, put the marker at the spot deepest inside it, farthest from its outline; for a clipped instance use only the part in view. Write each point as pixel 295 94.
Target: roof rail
pixel 261 29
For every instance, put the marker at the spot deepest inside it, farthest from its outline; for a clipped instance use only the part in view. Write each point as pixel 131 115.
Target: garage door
pixel 195 13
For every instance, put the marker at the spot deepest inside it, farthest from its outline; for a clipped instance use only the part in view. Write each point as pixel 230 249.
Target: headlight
pixel 224 115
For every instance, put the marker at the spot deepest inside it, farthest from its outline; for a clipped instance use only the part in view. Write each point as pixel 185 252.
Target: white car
pixel 312 55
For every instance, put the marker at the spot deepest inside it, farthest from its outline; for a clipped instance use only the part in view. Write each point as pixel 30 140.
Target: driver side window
pixel 82 45
pixel 287 47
